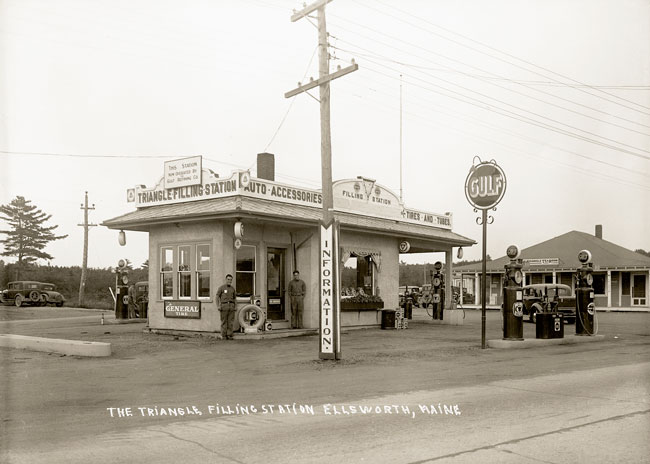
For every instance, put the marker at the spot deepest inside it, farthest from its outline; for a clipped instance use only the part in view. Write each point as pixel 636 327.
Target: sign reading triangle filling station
pixel 185 180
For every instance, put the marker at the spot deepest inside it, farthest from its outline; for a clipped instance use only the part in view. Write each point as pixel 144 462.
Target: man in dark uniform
pixel 297 289
pixel 226 303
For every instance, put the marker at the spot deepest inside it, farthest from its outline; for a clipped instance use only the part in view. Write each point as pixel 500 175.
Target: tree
pixel 28 235
pixel 643 252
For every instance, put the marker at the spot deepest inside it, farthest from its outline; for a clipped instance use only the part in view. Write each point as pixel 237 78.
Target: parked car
pixel 549 298
pixel 409 290
pixel 23 292
pixel 49 295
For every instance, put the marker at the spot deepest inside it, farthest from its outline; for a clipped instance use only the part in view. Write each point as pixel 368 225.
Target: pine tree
pixel 28 235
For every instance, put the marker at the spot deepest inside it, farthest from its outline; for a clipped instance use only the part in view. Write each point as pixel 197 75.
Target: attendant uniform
pixel 226 297
pixel 297 289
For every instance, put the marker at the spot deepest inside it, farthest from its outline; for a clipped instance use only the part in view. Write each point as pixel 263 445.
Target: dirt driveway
pixel 48 396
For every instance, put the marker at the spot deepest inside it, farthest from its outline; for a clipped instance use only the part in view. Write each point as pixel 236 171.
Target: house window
pixel 203 271
pixel 166 272
pixel 245 271
pixel 599 284
pixel 184 272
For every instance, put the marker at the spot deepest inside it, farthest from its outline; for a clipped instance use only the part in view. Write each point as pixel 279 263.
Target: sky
pixel 95 95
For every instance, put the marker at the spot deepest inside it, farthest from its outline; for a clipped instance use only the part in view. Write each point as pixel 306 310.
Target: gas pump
pixel 408 304
pixel 585 308
pixel 438 291
pixel 121 290
pixel 513 306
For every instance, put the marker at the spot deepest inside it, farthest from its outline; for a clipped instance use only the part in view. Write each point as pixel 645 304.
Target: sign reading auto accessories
pixel 485 185
pixel 183 309
pixel 358 196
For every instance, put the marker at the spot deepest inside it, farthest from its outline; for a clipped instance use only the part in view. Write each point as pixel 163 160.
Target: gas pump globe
pixel 585 308
pixel 513 306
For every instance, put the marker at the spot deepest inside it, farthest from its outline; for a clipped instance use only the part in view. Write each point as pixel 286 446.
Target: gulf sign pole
pixel 484 188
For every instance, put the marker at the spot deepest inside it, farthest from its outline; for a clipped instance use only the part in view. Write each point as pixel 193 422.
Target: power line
pixel 411 66
pixel 507 54
pixel 132 156
pixel 416 46
pixel 519 117
pixel 292 101
pixel 480 122
pixel 519 151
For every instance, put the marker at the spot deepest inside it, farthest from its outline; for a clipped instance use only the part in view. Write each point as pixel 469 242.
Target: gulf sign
pixel 485 185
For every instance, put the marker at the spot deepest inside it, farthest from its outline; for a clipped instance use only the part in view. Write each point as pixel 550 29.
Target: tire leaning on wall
pixel 245 324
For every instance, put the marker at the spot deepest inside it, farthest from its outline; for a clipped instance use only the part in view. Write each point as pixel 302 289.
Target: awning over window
pixel 347 252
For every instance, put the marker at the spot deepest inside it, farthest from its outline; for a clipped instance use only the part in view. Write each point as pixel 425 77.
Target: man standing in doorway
pixel 297 289
pixel 226 303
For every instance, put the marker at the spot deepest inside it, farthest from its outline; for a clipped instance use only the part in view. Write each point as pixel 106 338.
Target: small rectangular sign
pixel 541 261
pixel 183 172
pixel 183 309
pixel 274 301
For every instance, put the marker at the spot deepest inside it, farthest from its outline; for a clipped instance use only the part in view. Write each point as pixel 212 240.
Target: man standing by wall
pixel 226 303
pixel 297 289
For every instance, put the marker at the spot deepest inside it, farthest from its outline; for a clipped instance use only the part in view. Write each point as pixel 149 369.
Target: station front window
pixel 245 271
pixel 203 271
pixel 185 271
pixel 358 274
pixel 166 272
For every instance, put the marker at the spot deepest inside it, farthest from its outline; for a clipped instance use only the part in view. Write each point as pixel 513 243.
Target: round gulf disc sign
pixel 404 246
pixel 485 185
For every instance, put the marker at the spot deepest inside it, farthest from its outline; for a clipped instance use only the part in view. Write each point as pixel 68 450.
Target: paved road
pixel 586 403
pixel 601 416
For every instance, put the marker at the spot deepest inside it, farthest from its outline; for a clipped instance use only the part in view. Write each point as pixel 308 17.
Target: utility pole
pixel 401 192
pixel 85 225
pixel 330 297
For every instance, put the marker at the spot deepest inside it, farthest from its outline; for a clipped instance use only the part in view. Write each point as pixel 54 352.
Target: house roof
pixel 605 255
pixel 240 206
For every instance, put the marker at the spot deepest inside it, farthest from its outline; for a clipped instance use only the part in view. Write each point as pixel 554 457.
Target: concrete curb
pixel 538 342
pixel 56 345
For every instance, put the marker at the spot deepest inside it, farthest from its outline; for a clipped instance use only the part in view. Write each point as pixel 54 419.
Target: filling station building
pixel 202 227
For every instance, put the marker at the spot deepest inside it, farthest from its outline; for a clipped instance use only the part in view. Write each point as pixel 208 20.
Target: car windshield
pixel 31 286
pixel 550 291
pixel 48 287
pixel 561 291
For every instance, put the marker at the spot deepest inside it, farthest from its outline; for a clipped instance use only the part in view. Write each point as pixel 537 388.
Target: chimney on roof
pixel 266 166
pixel 599 231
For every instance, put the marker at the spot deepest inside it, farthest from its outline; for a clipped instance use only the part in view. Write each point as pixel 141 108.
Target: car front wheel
pixel 18 301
